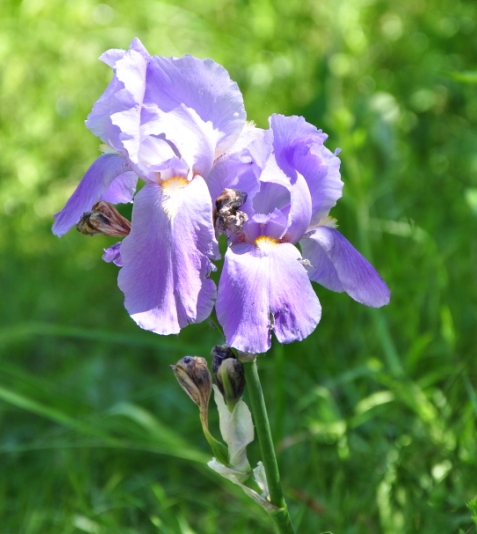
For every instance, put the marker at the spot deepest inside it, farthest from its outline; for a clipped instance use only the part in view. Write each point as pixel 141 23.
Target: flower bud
pixel 104 219
pixel 194 377
pixel 229 375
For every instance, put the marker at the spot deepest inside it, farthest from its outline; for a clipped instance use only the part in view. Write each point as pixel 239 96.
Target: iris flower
pixel 288 182
pixel 164 121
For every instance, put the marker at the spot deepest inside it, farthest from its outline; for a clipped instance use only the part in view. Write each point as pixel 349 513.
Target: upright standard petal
pixel 265 288
pixel 299 148
pixel 166 265
pixel 189 135
pixel 338 266
pixel 112 56
pixel 274 191
pixel 299 214
pixel 191 103
pixel 97 181
pixel 290 195
pixel 123 98
pixel 240 167
pixel 205 90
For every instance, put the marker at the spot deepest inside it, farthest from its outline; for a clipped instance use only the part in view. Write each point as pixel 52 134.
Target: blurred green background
pixel 374 415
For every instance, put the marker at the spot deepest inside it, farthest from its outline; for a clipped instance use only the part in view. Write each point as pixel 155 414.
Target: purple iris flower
pixel 165 121
pixel 292 181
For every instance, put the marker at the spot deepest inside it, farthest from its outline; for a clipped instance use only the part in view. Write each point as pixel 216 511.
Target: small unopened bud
pixel 194 377
pixel 229 375
pixel 104 219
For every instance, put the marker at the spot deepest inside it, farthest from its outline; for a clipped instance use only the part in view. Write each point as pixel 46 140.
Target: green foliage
pixel 374 414
pixel 472 505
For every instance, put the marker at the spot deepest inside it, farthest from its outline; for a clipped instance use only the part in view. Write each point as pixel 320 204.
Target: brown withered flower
pixel 227 215
pixel 104 219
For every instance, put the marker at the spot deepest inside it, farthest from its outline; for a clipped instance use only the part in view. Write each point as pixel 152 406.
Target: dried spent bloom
pixel 194 377
pixel 227 215
pixel 165 121
pixel 291 181
pixel 229 374
pixel 104 219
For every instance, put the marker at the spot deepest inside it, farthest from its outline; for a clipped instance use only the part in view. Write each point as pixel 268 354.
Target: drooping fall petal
pixel 108 178
pixel 262 289
pixel 338 266
pixel 299 148
pixel 166 257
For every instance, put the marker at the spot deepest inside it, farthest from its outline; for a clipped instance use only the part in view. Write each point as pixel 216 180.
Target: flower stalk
pixel 219 450
pixel 280 517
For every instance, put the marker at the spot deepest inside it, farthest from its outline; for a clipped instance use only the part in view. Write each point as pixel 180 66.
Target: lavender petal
pixel 261 291
pixel 121 189
pixel 123 98
pixel 290 194
pixel 338 266
pixel 166 258
pixel 95 183
pixel 241 166
pixel 113 255
pixel 299 148
pixel 204 90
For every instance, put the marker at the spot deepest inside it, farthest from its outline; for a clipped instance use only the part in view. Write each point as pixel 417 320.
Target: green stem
pixel 219 450
pixel 269 459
